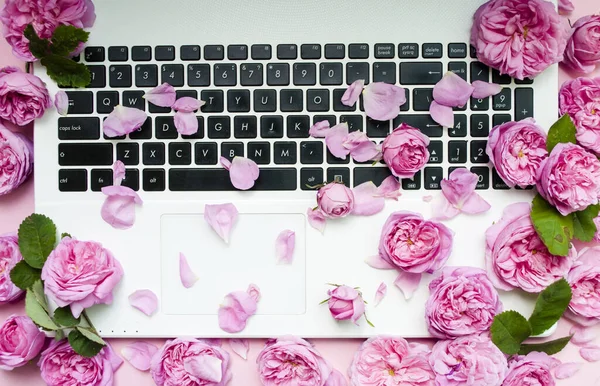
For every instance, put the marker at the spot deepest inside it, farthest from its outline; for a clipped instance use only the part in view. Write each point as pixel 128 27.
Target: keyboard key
pixel 186 93
pixel 134 99
pixel 483 174
pixel 433 177
pixel 330 74
pixel 106 101
pixel 310 178
pixel 218 180
pixel 459 68
pixel 285 153
pixel 358 51
pixel 146 75
pixel 98 74
pixel 412 183
pixel 330 118
pixel 451 169
pixel 408 50
pixel 205 153
pixel 260 152
pixel 128 153
pixel 165 128
pixel 118 54
pixel 238 101
pixel 172 74
pixel 420 73
pixel 225 74
pixel 200 133
pixel 479 71
pixel 261 52
pixel 287 51
pixel 482 104
pixel 232 149
pixel 310 51
pixel 335 51
pixel 457 50
pixel 94 54
pixel 78 128
pixel 180 153
pixel 141 53
pixel 480 125
pixel 524 81
pixel 237 52
pixel 72 180
pixel 457 152
pixel 214 52
pixel 500 79
pixel 120 76
pixel 244 126
pixel 291 100
pixel 356 71
pixel 85 154
pixel 317 100
pixel 472 52
pixel 311 152
pixel 432 50
pixel 153 153
pixel 384 72
pixel 214 101
pixel 219 127
pixel 251 74
pixel 278 74
pixel 374 174
pixel 422 98
pixel 460 126
pixel 339 175
pixel 265 100
pixel 190 52
pixel 497 182
pixel 337 101
pixel 154 180
pixel 355 122
pixel 132 179
pixel 377 129
pixel 80 102
pixel 198 75
pixel 502 101
pixel 158 109
pixel 478 154
pixel 164 53
pixel 305 74
pixel 271 126
pixel 144 132
pixel 100 178
pixel 422 122
pixel 436 152
pixel 523 103
pixel 499 119
pixel 385 51
pixel 298 126
pixel 333 160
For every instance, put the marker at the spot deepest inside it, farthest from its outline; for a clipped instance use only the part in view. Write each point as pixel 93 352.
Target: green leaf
pixel 37 235
pixel 82 345
pixel 23 275
pixel 38 291
pixel 509 329
pixel 550 306
pixel 94 337
pixel 583 223
pixel 38 47
pixel 37 313
pixel 64 317
pixel 66 72
pixel 552 347
pixel 562 131
pixel 66 38
pixel 555 230
pixel 65 234
pixel 59 335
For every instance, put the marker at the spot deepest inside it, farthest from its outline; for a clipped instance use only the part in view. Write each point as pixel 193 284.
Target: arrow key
pixel 436 152
pixel 460 126
pixel 433 177
pixel 478 154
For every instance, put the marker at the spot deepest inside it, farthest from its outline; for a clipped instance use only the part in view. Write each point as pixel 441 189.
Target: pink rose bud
pixel 346 303
pixel 9 257
pixel 584 279
pixel 535 365
pixel 335 200
pixel 583 48
pixel 16 160
pixel 20 341
pixel 405 151
pixel 23 97
pixel 580 98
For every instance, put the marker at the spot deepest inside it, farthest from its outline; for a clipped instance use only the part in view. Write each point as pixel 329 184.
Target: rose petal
pixel 206 367
pixel 452 91
pixel 566 370
pixel 442 114
pixel 382 101
pixel 118 172
pixel 225 163
pixel 254 292
pixel 139 354
pixel 284 246
pixel 475 204
pixel 243 173
pixel 319 129
pixel 237 307
pixel 316 219
pixel 118 209
pixel 187 104
pixel 352 93
pixel 365 151
pixel 483 90
pixel 442 209
pixel 582 335
pixel 590 353
pixel 408 283
pixel 187 276
pixel 377 262
pixel 221 218
pixel 61 102
pixel 367 200
pixel 240 347
pixel 458 195
pixel 335 138
pixel 427 198
pixel 162 96
pixel 123 120
pixel 380 294
pixel 390 188
pixel 186 123
pixel 336 379
pixel 144 300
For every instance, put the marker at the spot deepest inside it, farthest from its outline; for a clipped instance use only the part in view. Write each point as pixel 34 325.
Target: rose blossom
pixel 346 303
pixel 80 274
pixel 20 341
pixel 335 200
pixel 583 47
pixel 414 244
pixel 569 179
pixel 516 256
pixel 534 369
pixel 10 255
pixel 291 361
pixel 16 160
pixel 516 150
pixel 23 97
pixel 61 366
pixel 190 362
pixel 580 98
pixel 386 360
pixel 468 361
pixel 45 15
pixel 463 301
pixel 584 279
pixel 405 151
pixel 520 38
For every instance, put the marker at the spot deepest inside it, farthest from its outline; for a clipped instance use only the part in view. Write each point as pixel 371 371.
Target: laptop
pixel 228 51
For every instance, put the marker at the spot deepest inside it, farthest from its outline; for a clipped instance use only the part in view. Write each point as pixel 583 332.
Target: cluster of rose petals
pixel 10 255
pixel 534 368
pixel 381 101
pixel 584 279
pixel 20 341
pixel 459 196
pixel 118 209
pixel 16 160
pixel 346 303
pixel 405 151
pixel 237 308
pixel 580 98
pixel 23 97
pixel 583 47
pixel 243 172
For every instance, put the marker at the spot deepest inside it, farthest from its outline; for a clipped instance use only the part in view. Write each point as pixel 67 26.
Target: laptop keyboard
pixel 260 103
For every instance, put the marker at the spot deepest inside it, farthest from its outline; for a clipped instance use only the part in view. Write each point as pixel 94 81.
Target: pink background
pixel 16 206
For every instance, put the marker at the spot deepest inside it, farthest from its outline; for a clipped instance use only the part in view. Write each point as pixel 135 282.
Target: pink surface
pixel 19 204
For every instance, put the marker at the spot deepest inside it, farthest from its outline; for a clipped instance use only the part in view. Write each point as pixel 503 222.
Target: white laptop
pixel 309 50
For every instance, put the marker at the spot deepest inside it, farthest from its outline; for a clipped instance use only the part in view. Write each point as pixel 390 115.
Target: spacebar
pixel 181 180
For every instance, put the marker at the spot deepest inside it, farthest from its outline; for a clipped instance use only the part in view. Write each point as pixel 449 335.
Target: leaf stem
pixel 89 322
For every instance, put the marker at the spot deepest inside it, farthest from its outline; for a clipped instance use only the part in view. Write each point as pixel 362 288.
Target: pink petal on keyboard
pixel 319 129
pixel 582 335
pixel 408 283
pixel 442 114
pixel 452 90
pixel 139 354
pixel 390 188
pixel 123 120
pixel 380 294
pixel 186 123
pixel 367 200
pixel 361 148
pixel 118 209
pixel 163 95
pixel 225 163
pixel 335 140
pixel 284 246
pixel 485 89
pixel 144 300
pixel 382 101
pixel 118 172
pixel 316 219
pixel 187 276
pixel 590 353
pixel 188 104
pixel 233 314
pixel 352 93
pixel 221 218
pixel 566 370
pixel 61 102
pixel 243 173
pixel 240 347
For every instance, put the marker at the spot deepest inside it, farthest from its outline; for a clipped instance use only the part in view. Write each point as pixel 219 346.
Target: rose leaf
pixel 23 275
pixel 509 329
pixel 562 131
pixel 37 313
pixel 82 345
pixel 66 39
pixel 583 223
pixel 64 317
pixel 552 347
pixel 37 235
pixel 550 306
pixel 555 230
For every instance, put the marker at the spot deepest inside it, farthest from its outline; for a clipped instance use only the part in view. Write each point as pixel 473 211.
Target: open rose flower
pixel 387 360
pixel 520 38
pixel 289 361
pixel 584 279
pixel 190 362
pixel 80 274
pixel 516 257
pixel 335 200
pixel 10 255
pixel 569 179
pixel 405 151
pixel 462 301
pixel 61 366
pixel 23 97
pixel 583 47
pixel 20 341
pixel 468 361
pixel 45 16
pixel 580 98
pixel 16 160
pixel 516 150
pixel 346 303
pixel 533 369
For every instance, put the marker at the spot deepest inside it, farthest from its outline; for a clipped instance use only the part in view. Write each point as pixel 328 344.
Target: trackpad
pixel 223 268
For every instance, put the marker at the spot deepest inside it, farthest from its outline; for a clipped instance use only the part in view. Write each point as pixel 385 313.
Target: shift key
pixel 416 73
pixel 85 154
pixel 78 128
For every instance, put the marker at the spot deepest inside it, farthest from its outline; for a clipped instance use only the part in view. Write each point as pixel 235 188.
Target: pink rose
pixel 468 361
pixel 405 151
pixel 23 97
pixel 80 274
pixel 61 366
pixel 463 301
pixel 580 98
pixel 534 369
pixel 9 257
pixel 516 257
pixel 190 362
pixel 290 361
pixel 20 341
pixel 413 244
pixel 520 38
pixel 16 160
pixel 583 48
pixel 335 200
pixel 569 178
pixel 346 303
pixel 584 279
pixel 45 15
pixel 516 150
pixel 386 360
